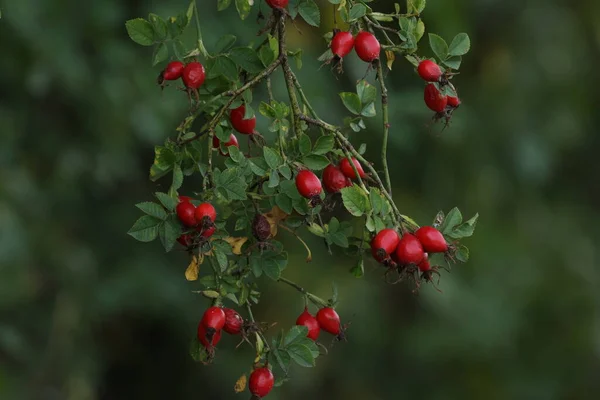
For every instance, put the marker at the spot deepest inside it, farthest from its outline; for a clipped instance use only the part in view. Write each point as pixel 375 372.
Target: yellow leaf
pixel 274 217
pixel 240 385
pixel 391 57
pixel 236 243
pixel 192 271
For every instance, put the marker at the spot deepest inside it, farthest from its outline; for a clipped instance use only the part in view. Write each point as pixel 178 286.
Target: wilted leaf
pixel 236 244
pixel 240 384
pixel 192 271
pixel 275 216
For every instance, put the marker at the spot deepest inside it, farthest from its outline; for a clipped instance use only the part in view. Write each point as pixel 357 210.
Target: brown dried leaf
pixel 236 243
pixel 391 57
pixel 240 385
pixel 274 217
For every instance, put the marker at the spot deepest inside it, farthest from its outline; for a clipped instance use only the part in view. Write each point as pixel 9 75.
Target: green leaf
pixel 465 229
pixel 339 239
pixel 169 231
pixel 177 177
pixel 282 357
pixel 352 102
pixel 159 26
pixel 416 6
pixel 367 93
pixel 152 209
pixel 163 163
pixel 247 59
pixel 259 166
pixel 272 158
pixel 376 199
pixel 267 110
pixel 310 12
pixel 358 270
pixel 270 263
pixel 453 62
pixel 197 351
pixel 301 355
pixel 439 46
pixel 461 44
pixel 315 162
pixel 295 334
pixel 223 4
pixel 285 171
pixel 224 66
pixel 169 202
pixel 160 54
pixel 355 200
pixel 273 179
pixel 231 183
pixel 357 11
pixel 140 31
pixel 243 8
pixel 453 218
pixel 304 144
pixel 145 229
pixel 224 43
pixel 324 145
pixel 284 202
pixel 462 254
pixel 369 111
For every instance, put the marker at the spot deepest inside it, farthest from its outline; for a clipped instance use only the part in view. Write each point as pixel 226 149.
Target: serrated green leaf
pixel 453 218
pixel 351 102
pixel 169 231
pixel 159 26
pixel 369 111
pixel 224 43
pixel 439 46
pixel 224 66
pixel 285 171
pixel 355 200
pixel 197 351
pixel 295 334
pixel 282 357
pixel 416 6
pixel 223 4
pixel 357 11
pixel 461 44
pixel 231 184
pixel 140 31
pixel 243 8
pixel 272 158
pixel 453 62
pixel 367 93
pixel 462 254
pixel 358 270
pixel 465 229
pixel 273 179
pixel 152 209
pixel 315 162
pixel 177 177
pixel 169 202
pixel 160 54
pixel 304 144
pixel 310 12
pixel 301 355
pixel 145 229
pixel 284 202
pixel 324 145
pixel 247 59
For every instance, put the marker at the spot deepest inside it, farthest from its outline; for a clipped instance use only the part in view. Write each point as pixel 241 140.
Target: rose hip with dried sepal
pixel 384 244
pixel 261 382
pixel 233 321
pixel 308 320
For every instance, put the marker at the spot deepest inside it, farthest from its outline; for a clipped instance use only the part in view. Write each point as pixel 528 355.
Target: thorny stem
pixel 309 255
pixel 305 99
pixel 315 299
pixel 288 75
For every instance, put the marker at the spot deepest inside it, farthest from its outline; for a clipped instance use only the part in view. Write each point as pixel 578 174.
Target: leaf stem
pixel 201 47
pixel 315 299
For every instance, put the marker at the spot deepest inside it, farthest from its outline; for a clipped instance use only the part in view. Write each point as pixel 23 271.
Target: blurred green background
pixel 86 312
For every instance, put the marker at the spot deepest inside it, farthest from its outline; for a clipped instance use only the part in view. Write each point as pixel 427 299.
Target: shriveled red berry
pixel 435 100
pixel 206 232
pixel 277 3
pixel 185 240
pixel 261 228
pixel 453 101
pixel 432 240
pixel 346 168
pixel 261 382
pixel 329 320
pixel 232 142
pixel 384 244
pixel 424 265
pixel 214 318
pixel 309 321
pixel 173 71
pixel 193 75
pixel 367 46
pixel 334 180
pixel 208 338
pixel 342 44
pixel 409 250
pixel 245 126
pixel 429 71
pixel 233 321
pixel 308 184
pixel 186 213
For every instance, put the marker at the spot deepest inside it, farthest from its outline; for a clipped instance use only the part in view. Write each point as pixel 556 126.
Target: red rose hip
pixel 434 99
pixel 213 318
pixel 409 250
pixel 334 180
pixel 384 244
pixel 424 265
pixel 193 75
pixel 261 382
pixel 208 339
pixel 245 126
pixel 185 212
pixel 277 3
pixel 432 240
pixel 205 216
pixel 329 320
pixel 173 71
pixel 233 322
pixel 308 320
pixel 347 169
pixel 308 184
pixel 429 71
pixel 367 46
pixel 342 44
pixel 232 142
pixel 185 240
pixel 453 101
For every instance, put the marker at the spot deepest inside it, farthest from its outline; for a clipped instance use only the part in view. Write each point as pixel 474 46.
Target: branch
pixel 288 75
pixel 315 299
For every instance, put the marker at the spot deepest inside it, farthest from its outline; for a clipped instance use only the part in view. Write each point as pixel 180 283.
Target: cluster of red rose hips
pixel 430 72
pixel 218 319
pixel 202 218
pixel 410 250
pixel 365 43
pixel 192 74
pixel 334 179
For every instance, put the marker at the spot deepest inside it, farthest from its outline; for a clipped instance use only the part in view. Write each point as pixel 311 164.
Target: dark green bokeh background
pixel 88 313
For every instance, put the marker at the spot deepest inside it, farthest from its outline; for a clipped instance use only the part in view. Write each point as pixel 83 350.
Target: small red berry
pixel 185 240
pixel 424 265
pixel 334 180
pixel 261 382
pixel 367 46
pixel 173 71
pixel 205 217
pixel 214 318
pixel 233 322
pixel 309 321
pixel 453 101
pixel 349 171
pixel 409 250
pixel 432 240
pixel 384 244
pixel 308 184
pixel 185 212
pixel 193 75
pixel 434 99
pixel 183 199
pixel 206 232
pixel 245 126
pixel 329 320
pixel 342 44
pixel 429 71
pixel 232 142
pixel 277 3
pixel 208 339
